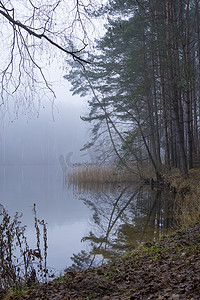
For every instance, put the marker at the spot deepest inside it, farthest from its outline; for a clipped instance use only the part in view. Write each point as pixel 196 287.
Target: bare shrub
pixel 19 264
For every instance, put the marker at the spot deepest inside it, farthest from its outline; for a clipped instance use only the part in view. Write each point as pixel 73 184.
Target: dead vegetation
pixel 93 177
pixel 96 174
pixel 167 269
pixel 19 264
pixel 187 196
pixel 149 272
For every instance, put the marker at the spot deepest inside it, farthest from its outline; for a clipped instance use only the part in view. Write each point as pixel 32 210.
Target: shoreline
pixel 167 269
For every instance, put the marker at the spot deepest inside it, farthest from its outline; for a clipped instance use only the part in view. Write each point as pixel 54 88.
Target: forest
pixel 113 236
pixel 142 84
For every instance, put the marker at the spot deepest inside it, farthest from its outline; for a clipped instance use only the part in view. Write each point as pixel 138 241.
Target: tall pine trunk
pixel 173 75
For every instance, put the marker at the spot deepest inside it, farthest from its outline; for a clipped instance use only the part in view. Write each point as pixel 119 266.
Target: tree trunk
pixel 164 111
pixel 187 92
pixel 173 72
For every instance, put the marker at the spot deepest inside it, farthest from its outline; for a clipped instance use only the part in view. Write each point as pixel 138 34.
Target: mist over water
pixel 41 140
pixel 66 216
pixel 30 172
pixel 35 155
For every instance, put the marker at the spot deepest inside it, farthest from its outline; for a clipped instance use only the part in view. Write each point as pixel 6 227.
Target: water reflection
pixel 123 217
pixel 66 216
pixel 107 219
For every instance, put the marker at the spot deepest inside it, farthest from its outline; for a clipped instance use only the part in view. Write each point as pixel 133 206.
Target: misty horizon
pixel 41 140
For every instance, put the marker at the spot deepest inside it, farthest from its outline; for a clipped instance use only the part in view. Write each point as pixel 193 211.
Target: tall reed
pixel 95 174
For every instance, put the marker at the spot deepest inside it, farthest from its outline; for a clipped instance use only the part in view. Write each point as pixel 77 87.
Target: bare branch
pixel 40 36
pixel 30 29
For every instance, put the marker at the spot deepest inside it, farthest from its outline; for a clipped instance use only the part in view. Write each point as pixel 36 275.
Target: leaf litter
pixel 167 269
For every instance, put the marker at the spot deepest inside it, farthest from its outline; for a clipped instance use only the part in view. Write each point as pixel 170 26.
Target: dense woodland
pixel 143 84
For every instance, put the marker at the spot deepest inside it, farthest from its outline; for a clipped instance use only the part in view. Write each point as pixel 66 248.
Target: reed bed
pixel 95 174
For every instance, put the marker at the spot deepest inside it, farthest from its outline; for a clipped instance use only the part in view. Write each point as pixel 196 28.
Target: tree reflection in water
pixel 123 218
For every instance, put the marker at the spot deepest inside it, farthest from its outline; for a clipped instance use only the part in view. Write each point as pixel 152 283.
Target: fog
pixel 57 130
pixel 30 171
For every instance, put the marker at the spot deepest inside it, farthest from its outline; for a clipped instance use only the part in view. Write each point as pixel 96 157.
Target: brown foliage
pixel 168 269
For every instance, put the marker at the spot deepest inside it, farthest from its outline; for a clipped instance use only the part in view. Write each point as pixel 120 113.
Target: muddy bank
pixel 168 269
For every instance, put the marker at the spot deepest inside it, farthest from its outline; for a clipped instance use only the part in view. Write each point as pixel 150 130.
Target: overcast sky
pixel 31 140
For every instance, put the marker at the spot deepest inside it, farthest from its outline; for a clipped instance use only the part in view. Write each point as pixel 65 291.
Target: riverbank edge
pixel 139 274
pixel 167 269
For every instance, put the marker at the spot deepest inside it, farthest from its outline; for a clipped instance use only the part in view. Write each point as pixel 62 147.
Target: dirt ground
pixel 168 269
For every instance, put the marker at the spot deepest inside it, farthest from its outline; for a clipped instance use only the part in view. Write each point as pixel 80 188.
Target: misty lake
pixel 96 219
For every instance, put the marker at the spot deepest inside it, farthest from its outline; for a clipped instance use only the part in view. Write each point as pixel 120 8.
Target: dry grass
pixel 188 209
pixel 19 264
pixel 94 174
pixel 188 197
pixel 187 201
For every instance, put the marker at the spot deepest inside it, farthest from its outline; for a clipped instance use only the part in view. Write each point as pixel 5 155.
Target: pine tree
pixel 143 85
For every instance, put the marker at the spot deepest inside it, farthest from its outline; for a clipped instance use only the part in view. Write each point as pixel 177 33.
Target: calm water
pixel 88 224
